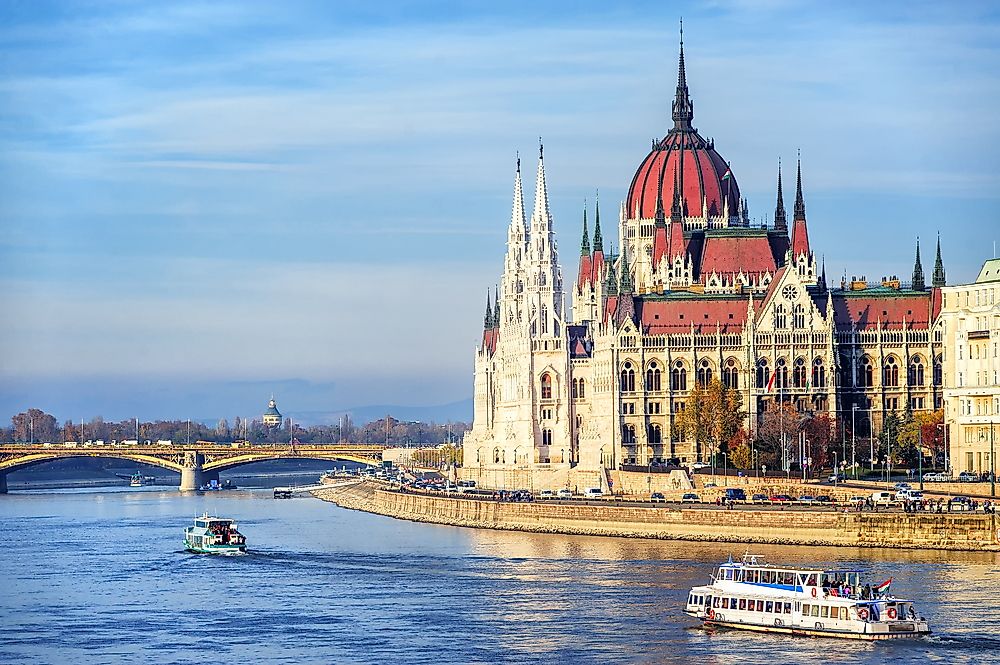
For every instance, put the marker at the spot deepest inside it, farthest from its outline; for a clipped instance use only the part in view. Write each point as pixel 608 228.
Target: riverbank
pixel 949 531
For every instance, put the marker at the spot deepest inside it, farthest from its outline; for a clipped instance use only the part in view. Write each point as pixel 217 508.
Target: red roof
pixel 800 238
pixel 659 245
pixel 700 170
pixel 728 255
pixel 585 271
pixel 490 338
pixel 666 316
pixel 677 244
pixel 597 267
pixel 856 308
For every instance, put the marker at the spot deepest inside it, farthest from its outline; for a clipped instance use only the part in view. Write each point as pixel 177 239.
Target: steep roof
pixel 865 308
pixel 730 251
pixel 678 311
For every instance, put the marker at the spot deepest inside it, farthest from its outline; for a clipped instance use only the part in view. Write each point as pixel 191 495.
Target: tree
pixel 741 456
pixel 776 434
pixel 713 414
pixel 35 425
pixel 69 432
pixel 922 432
pixel 222 430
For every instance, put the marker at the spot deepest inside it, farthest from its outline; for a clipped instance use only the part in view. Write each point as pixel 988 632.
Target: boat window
pixel 729 573
pixel 825 612
pixel 708 601
pixel 739 575
pixel 691 599
pixel 811 580
pixel 769 606
pixel 805 609
pixel 788 608
pixel 743 603
pixel 787 578
pixel 815 610
pixel 843 613
pixel 715 601
pixel 777 608
pixel 770 577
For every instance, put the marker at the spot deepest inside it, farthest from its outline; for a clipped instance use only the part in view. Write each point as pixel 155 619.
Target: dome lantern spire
pixel 800 203
pixel 780 221
pixel 682 108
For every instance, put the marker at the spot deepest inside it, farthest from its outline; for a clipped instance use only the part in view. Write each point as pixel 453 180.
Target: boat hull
pixel 214 549
pixel 919 630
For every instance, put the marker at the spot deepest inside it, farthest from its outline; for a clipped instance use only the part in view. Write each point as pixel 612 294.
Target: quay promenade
pixel 963 531
pixel 197 464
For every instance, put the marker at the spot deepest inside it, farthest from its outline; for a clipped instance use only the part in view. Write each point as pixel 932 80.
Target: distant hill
pixel 454 412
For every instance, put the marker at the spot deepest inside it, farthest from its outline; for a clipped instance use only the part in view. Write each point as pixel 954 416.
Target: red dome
pixel 699 169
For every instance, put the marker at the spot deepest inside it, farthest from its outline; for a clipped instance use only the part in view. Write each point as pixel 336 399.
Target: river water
pixel 98 575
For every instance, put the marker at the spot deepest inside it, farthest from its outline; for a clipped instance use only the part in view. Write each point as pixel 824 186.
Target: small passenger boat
pixel 214 535
pixel 754 595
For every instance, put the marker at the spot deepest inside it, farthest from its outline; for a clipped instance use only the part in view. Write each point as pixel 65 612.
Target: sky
pixel 204 203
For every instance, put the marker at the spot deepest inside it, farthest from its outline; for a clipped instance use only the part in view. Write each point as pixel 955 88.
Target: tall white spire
pixel 518 221
pixel 541 216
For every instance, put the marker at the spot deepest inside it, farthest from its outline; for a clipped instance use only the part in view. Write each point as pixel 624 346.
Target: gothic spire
pixel 676 213
pixel 598 240
pixel 780 221
pixel 489 312
pixel 822 276
pixel 585 243
pixel 682 108
pixel 800 204
pixel 660 217
pixel 496 306
pixel 626 278
pixel 541 213
pixel 517 216
pixel 612 284
pixel 917 283
pixel 938 279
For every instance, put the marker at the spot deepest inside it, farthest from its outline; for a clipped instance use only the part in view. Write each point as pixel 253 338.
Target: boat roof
pixel 757 561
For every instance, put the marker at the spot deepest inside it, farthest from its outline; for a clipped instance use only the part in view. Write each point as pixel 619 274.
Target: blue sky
pixel 204 203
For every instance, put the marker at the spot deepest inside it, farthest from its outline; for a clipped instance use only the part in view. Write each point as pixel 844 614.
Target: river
pixel 98 575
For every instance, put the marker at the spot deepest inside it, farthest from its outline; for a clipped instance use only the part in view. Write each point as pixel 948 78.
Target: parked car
pixel 710 485
pixel 758 498
pixel 960 503
pixel 836 478
pixel 546 494
pixel 856 499
pixel 657 497
pixel 968 477
pixel 690 497
pixel 564 494
pixel 883 498
pixel 698 465
pixel 825 498
pixel 807 499
pixel 735 494
pixel 902 486
pixel 937 477
pixel 593 493
pixel 780 498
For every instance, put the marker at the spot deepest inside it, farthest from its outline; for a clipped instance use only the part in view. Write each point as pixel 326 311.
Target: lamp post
pixel 920 456
pixel 854 438
pixel 944 434
pixel 725 468
pixel 836 477
pixel 993 466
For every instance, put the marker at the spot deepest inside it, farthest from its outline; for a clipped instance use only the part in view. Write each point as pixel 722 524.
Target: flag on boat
pixel 883 586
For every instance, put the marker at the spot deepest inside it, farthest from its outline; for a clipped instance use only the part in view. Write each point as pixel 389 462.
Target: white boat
pixel 754 595
pixel 214 535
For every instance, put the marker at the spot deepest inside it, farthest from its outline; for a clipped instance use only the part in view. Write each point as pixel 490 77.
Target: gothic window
pixel 780 317
pixel 704 373
pixel 763 373
pixel 678 376
pixel 799 317
pixel 915 376
pixel 799 373
pixel 866 377
pixel 781 374
pixel 545 320
pixel 628 434
pixel 628 378
pixel 655 435
pixel 546 386
pixel 731 374
pixel 819 374
pixel 937 371
pixel 653 377
pixel 546 437
pixel 890 374
pixel 581 391
pixel 576 392
pixel 496 455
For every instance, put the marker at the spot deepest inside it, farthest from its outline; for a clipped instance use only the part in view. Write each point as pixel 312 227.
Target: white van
pixel 466 486
pixel 883 498
pixel 593 493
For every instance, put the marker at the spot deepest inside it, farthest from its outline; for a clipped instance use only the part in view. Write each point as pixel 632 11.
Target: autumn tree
pixel 713 414
pixel 35 424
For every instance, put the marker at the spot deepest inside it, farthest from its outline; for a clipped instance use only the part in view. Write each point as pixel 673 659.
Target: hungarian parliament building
pixel 696 292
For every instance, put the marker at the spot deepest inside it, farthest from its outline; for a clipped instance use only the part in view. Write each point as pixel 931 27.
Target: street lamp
pixel 854 463
pixel 725 471
pixel 836 477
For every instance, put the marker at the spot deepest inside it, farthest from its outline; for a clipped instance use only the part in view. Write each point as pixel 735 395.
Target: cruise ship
pixel 754 595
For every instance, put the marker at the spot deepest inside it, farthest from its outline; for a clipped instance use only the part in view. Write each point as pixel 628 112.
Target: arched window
pixel 915 375
pixel 496 455
pixel 763 373
pixel 546 437
pixel 628 434
pixel 780 317
pixel 628 378
pixel 799 317
pixel 678 376
pixel 731 374
pixel 819 374
pixel 582 391
pixel 546 386
pixel 544 320
pixel 573 389
pixel 704 373
pixel 781 374
pixel 799 373
pixel 890 373
pixel 937 371
pixel 653 377
pixel 655 435
pixel 866 375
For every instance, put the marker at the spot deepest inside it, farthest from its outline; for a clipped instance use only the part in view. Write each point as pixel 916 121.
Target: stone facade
pixel 696 292
pixel 970 320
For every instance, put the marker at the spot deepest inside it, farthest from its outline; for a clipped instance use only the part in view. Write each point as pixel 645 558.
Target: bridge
pixel 196 464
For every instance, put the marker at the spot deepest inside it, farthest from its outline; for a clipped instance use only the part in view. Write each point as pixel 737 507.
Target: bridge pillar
pixel 3 483
pixel 191 477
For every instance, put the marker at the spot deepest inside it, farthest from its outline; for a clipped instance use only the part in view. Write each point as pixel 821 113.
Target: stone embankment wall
pixel 972 532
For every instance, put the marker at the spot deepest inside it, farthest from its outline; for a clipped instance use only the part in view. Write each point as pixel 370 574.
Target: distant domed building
pixel 271 417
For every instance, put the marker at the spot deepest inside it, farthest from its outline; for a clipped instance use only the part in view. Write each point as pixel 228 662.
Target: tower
pixel 917 283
